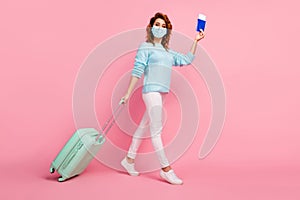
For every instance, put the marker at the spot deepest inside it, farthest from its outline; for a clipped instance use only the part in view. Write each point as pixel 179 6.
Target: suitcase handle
pixel 111 121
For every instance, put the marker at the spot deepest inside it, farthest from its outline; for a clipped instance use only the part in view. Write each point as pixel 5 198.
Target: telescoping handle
pixel 111 121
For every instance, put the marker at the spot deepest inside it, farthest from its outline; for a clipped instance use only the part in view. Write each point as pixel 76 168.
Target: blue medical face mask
pixel 159 32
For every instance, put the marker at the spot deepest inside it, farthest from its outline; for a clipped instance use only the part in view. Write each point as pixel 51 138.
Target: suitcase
pixel 80 149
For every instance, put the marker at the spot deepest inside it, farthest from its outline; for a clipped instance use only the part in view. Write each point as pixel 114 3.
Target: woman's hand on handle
pixel 125 98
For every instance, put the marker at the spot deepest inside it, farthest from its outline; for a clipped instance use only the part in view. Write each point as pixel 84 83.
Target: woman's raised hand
pixel 200 35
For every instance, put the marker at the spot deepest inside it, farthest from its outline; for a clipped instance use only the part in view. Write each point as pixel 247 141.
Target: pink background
pixel 255 47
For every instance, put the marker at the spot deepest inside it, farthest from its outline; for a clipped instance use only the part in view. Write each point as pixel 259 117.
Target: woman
pixel 154 60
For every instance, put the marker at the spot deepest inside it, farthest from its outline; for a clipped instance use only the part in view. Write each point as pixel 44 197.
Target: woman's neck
pixel 157 40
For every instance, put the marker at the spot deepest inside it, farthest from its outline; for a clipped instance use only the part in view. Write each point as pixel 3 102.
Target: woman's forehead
pixel 160 21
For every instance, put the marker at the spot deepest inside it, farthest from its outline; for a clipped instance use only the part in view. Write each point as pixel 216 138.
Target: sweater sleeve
pixel 182 59
pixel 141 60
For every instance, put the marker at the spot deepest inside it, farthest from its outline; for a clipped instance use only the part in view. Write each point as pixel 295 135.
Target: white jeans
pixel 153 114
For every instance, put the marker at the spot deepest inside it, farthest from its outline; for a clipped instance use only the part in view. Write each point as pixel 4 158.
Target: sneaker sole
pixel 165 179
pixel 130 173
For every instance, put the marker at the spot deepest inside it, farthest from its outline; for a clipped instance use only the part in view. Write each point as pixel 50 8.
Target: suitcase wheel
pixel 52 170
pixel 61 179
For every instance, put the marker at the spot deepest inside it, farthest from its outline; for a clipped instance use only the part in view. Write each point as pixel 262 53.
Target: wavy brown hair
pixel 166 38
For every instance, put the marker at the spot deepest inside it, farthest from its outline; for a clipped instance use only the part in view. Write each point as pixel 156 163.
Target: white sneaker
pixel 171 177
pixel 129 167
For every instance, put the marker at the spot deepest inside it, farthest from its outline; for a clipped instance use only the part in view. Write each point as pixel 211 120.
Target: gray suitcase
pixel 80 149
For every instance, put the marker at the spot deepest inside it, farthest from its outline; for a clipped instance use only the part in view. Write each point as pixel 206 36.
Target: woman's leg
pixel 128 161
pixel 153 102
pixel 154 107
pixel 137 138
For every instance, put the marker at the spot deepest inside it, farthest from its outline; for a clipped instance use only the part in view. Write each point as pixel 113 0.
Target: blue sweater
pixel 156 65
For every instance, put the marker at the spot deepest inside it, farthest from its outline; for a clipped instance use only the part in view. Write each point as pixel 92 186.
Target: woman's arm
pixel 200 35
pixel 131 86
pixel 186 59
pixel 140 63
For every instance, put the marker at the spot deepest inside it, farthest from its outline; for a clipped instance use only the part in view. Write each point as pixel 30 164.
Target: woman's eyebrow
pixel 157 23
